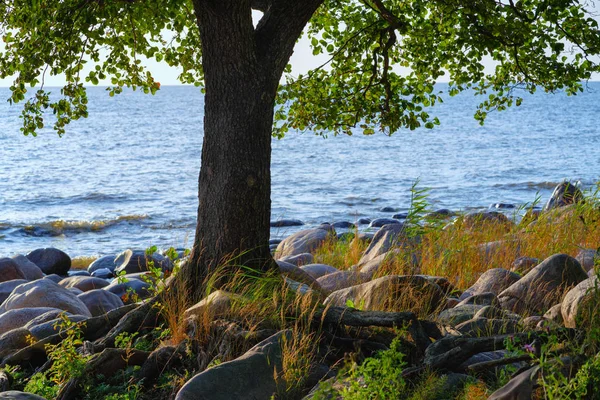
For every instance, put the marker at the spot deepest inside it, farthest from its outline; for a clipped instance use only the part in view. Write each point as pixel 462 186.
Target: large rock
pixel 520 387
pixel 44 293
pixel 494 280
pixel 128 291
pixel 305 241
pixel 479 219
pixel 543 286
pixel 297 274
pixel 380 222
pixel 132 261
pixel 318 270
pixel 251 376
pixel 340 280
pixel 391 293
pixel 580 303
pixel 99 302
pixel 51 260
pixel 18 318
pixel 49 328
pixel 458 314
pixel 478 327
pixel 385 239
pixel 522 265
pixel 215 305
pixel 299 259
pixel 29 269
pixel 17 395
pixel 83 283
pixel 587 258
pixel 14 340
pixel 107 262
pixel 9 270
pixel 564 194
pixel 7 287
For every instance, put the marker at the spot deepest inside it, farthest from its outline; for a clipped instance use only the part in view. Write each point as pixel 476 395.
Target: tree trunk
pixel 242 67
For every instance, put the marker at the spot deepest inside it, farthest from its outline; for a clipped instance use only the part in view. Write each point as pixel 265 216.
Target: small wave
pixel 87 197
pixel 62 227
pixel 527 185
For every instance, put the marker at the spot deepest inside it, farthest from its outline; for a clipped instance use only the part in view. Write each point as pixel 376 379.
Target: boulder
pixel 17 395
pixel 46 329
pixel 254 375
pixel 478 327
pixel 83 283
pixel 9 270
pixel 297 274
pixel 458 314
pixel 476 220
pixel 29 269
pixel 380 222
pixel 522 265
pixel 554 314
pixel 107 262
pixel 305 241
pixel 102 273
pixel 483 299
pixel 50 315
pixel 132 261
pixel 564 194
pixel 318 270
pixel 13 319
pixel 14 340
pixel 214 306
pixel 580 303
pixel 391 293
pixel 343 225
pixel 520 387
pixel 543 286
pixel 587 258
pixel 385 239
pixel 494 280
pixel 54 278
pixel 44 293
pixel 340 280
pixel 99 302
pixel 299 259
pixel 51 260
pixel 7 287
pixel 363 221
pixel 128 291
pixel 280 223
pixel 371 267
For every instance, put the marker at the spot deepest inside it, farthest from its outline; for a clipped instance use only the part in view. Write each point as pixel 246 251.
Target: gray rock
pixel 83 283
pixel 7 287
pixel 297 274
pixel 543 286
pixel 389 209
pixel 52 327
pixel 554 314
pixel 564 194
pixel 494 280
pixel 385 239
pixel 29 269
pixel 484 299
pixel 442 213
pixel 102 273
pixel 580 303
pixel 99 302
pixel 490 312
pixel 343 225
pixel 299 259
pixel 51 260
pixel 123 290
pixel 363 221
pixel 286 222
pixel 47 316
pixel 13 319
pixel 13 340
pixel 587 258
pixel 380 222
pixel 522 265
pixel 54 278
pixel 44 293
pixel 9 270
pixel 340 280
pixel 78 273
pixel 458 315
pixel 478 327
pixel 107 262
pixel 17 395
pixel 518 388
pixel 305 241
pixel 318 270
pixel 475 220
pixel 132 261
pixel 251 376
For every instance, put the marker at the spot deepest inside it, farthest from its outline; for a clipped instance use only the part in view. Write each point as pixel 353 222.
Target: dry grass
pixel 83 262
pixel 340 254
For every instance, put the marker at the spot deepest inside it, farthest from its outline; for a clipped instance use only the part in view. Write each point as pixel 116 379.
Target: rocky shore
pixel 514 324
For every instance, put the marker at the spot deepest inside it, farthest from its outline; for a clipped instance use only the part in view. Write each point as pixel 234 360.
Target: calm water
pixel 127 175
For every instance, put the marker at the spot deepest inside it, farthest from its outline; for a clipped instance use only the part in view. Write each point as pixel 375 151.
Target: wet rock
pixel 543 286
pixel 483 299
pixel 251 376
pixel 13 319
pixel 7 287
pixel 380 222
pixel 343 225
pixel 285 223
pixel 305 241
pixel 494 280
pixel 9 270
pixel 83 283
pixel 564 194
pixel 128 291
pixel 29 269
pixel 388 209
pixel 384 240
pixel 587 258
pixel 44 293
pixel 363 221
pixel 458 314
pixel 522 265
pixel 318 270
pixel 391 293
pixel 99 302
pixel 51 260
pixel 580 303
pixel 442 213
pixel 340 280
pixel 402 215
pixel 299 259
pixel 132 261
pixel 102 273
pixel 107 262
pixel 502 206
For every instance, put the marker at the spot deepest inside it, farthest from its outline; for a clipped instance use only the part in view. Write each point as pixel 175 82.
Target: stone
pixel 299 259
pixel 478 327
pixel 587 258
pixel 402 215
pixel 442 213
pixel 380 222
pixel 132 261
pixel 107 262
pixel 13 319
pixel 343 225
pixel 286 222
pixel 52 327
pixel 518 388
pixel 389 236
pixel 297 274
pixel 363 221
pixel 99 302
pixel 580 303
pixel 44 293
pixel 51 260
pixel 530 323
pixel 9 270
pixel 388 209
pixel 128 291
pixel 543 286
pixel 554 314
pixel 369 268
pixel 458 315
pixel 18 395
pixel 484 299
pixel 215 305
pixel 305 241
pixel 102 273
pixel 83 283
pixel 391 293
pixel 318 270
pixel 14 340
pixel 522 265
pixel 29 269
pixel 7 287
pixel 476 220
pixel 340 280
pixel 490 312
pixel 502 206
pixel 54 278
pixel 78 273
pixel 494 280
pixel 564 194
pixel 251 376
pixel 50 315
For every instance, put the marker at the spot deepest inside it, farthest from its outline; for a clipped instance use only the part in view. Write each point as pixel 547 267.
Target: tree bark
pixel 242 67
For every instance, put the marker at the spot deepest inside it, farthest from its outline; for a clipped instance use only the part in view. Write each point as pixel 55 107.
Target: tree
pixel 535 43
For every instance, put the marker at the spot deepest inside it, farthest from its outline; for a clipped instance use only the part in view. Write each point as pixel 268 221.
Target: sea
pixel 126 176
